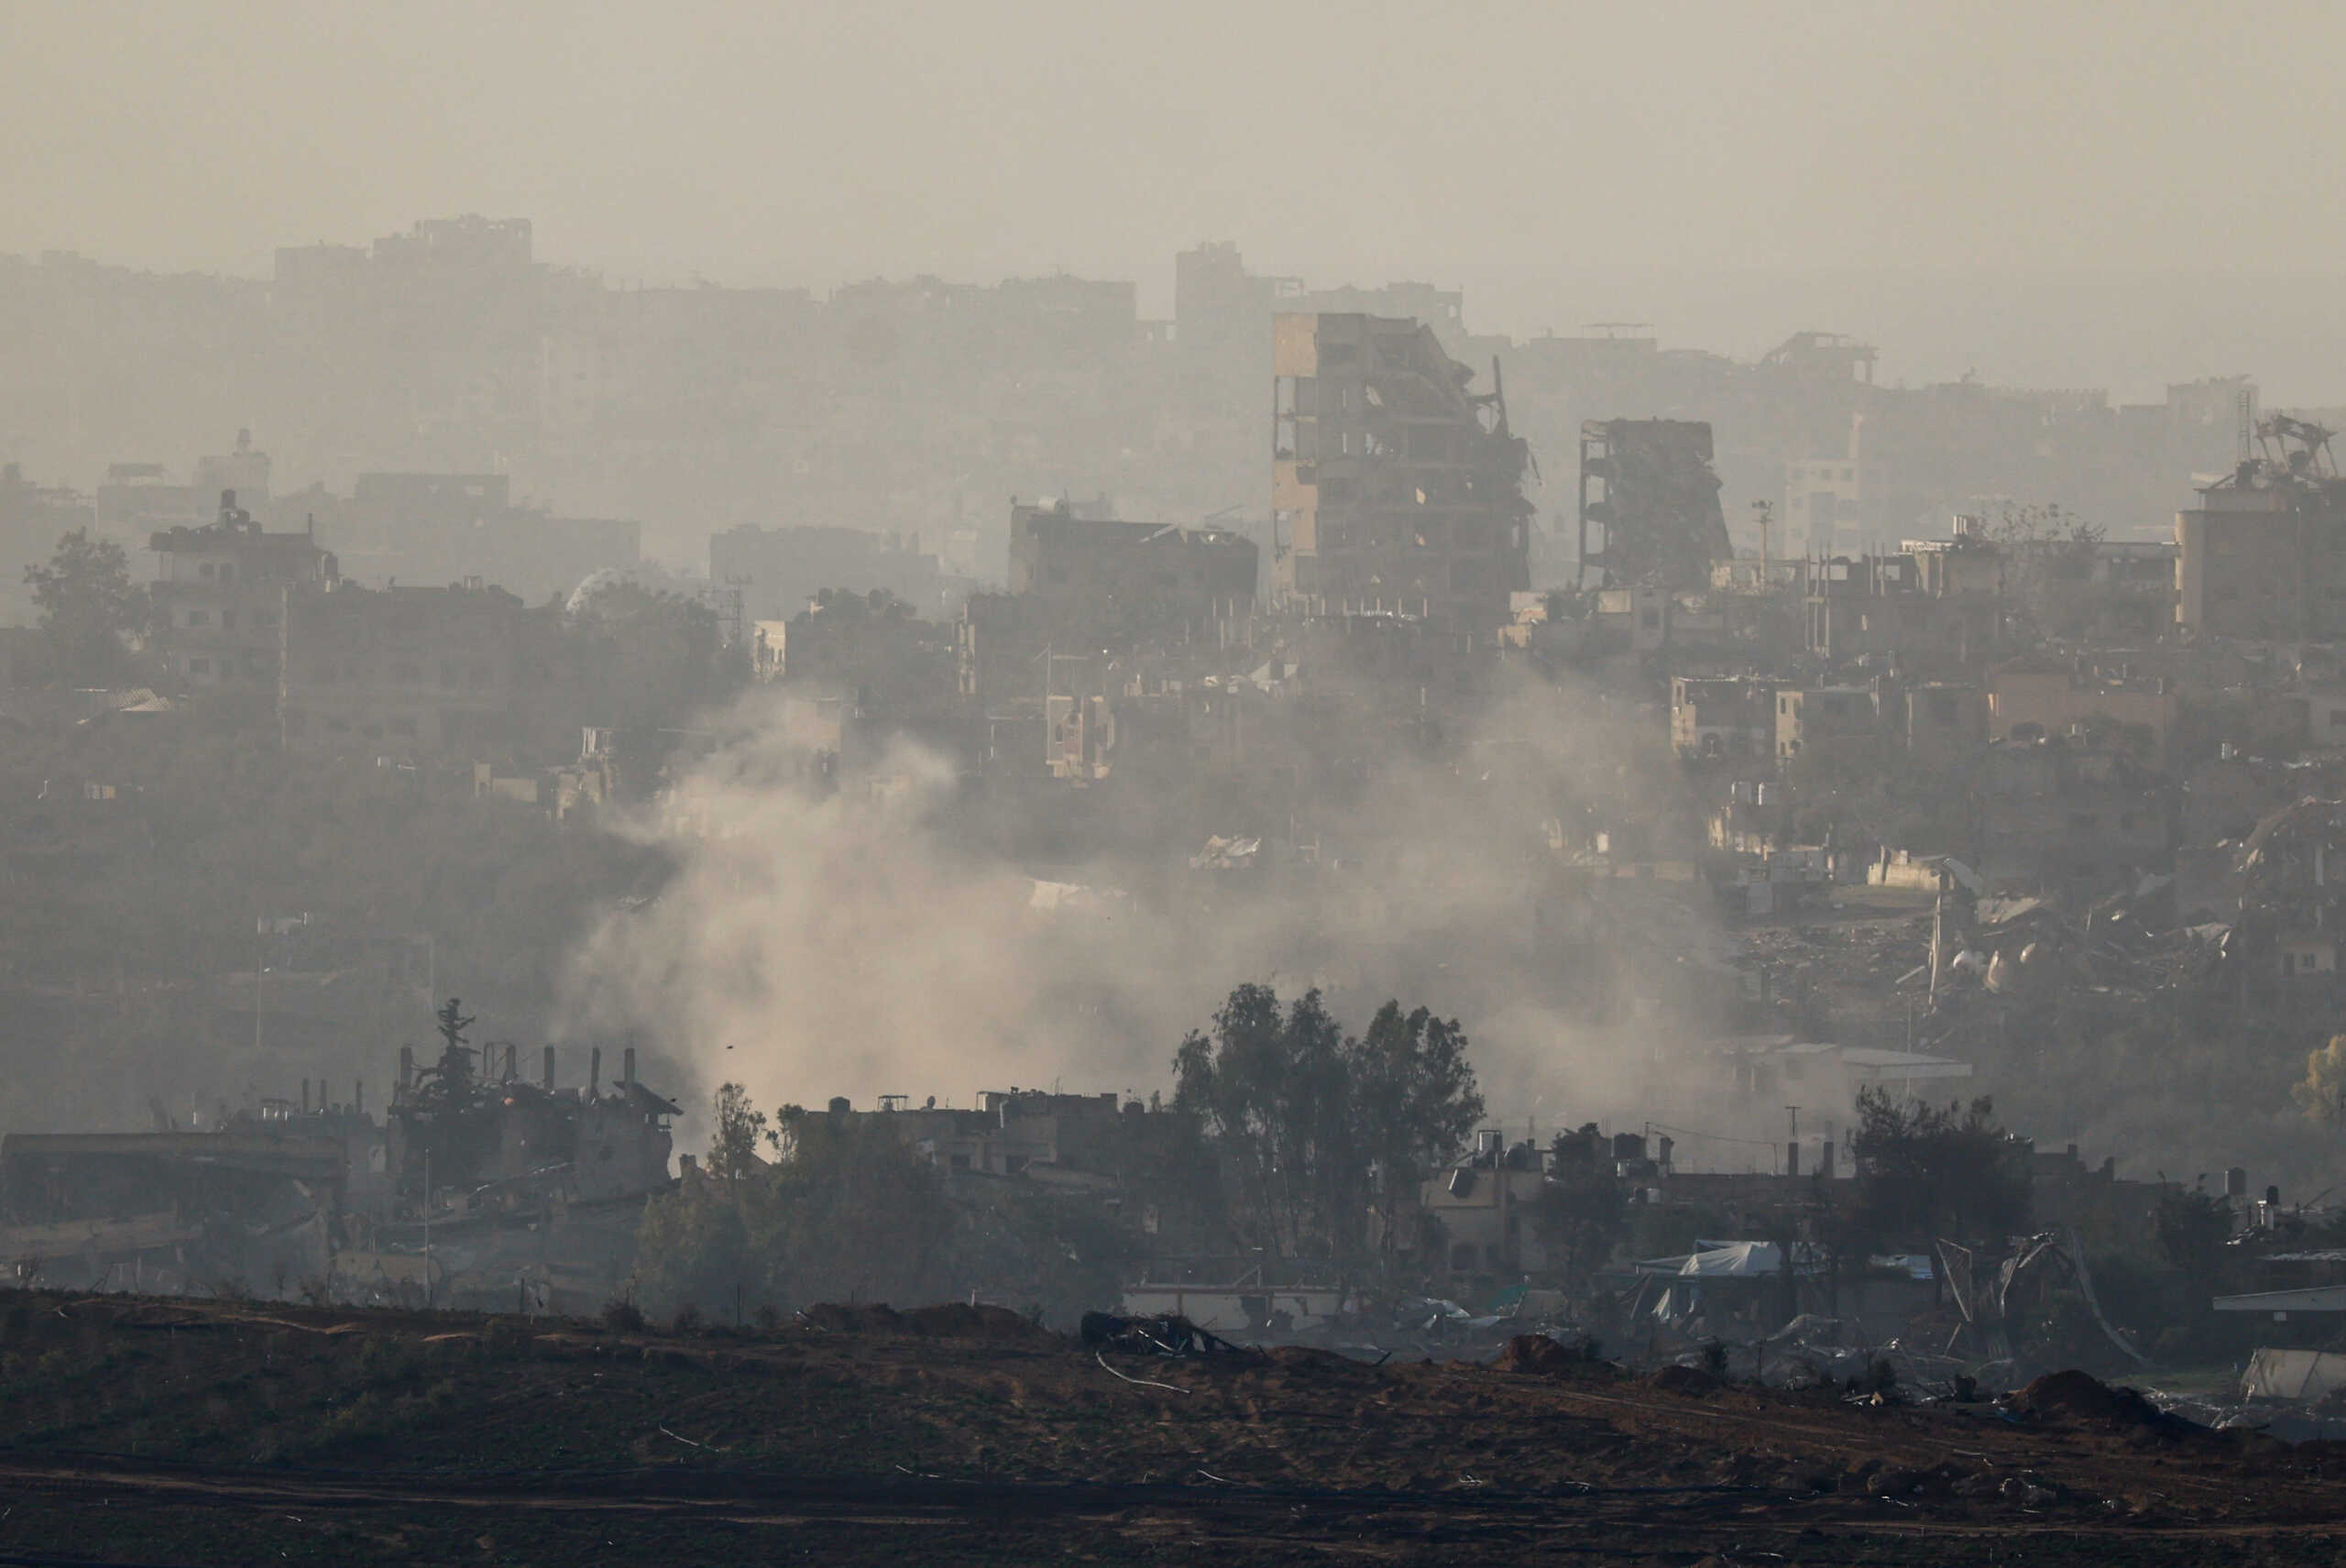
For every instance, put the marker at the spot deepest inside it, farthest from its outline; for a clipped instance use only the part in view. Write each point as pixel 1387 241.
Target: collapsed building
pixel 1395 489
pixel 252 1203
pixel 477 1186
pixel 483 1128
pixel 2292 871
pixel 1649 487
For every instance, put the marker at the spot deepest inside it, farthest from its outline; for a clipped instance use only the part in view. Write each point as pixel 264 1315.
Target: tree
pixel 2193 1227
pixel 740 1127
pixel 852 1214
pixel 1274 1093
pixel 1936 1170
pixel 649 659
pixel 2321 1093
pixel 847 1211
pixel 1415 1100
pixel 1316 1128
pixel 1580 1220
pixel 89 608
pixel 693 1248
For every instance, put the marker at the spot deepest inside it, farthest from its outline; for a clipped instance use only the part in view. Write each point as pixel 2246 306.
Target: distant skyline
pixel 2046 193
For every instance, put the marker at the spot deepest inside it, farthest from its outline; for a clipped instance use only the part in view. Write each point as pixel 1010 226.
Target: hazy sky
pixel 812 141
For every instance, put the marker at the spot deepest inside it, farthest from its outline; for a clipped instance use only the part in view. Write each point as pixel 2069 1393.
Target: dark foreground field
pixel 169 1432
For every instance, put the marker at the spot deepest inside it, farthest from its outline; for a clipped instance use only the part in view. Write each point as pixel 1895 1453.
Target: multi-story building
pixel 2263 557
pixel 1822 714
pixel 1825 499
pixel 1159 575
pixel 1395 489
pixel 780 570
pixel 1721 718
pixel 443 528
pixel 2051 814
pixel 1648 488
pixel 1947 722
pixel 220 597
pixel 2029 699
pixel 409 670
pixel 246 471
pixel 1911 606
pixel 893 666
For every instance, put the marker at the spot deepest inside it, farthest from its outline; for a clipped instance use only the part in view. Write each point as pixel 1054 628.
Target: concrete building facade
pixel 404 670
pixel 1155 572
pixel 1395 489
pixel 220 597
pixel 2263 557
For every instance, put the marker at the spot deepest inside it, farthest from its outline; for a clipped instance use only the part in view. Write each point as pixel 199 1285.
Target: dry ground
pixel 171 1432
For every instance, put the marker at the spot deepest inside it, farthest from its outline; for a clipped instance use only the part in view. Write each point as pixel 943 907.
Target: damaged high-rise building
pixel 1649 487
pixel 2263 557
pixel 1396 488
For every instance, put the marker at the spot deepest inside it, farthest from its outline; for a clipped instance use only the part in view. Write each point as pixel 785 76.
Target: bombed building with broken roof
pixel 1397 489
pixel 1649 491
pixel 480 1126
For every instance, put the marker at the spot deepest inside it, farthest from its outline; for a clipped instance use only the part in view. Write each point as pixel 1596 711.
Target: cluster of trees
pixel 1313 1142
pixel 810 1208
pixel 92 614
pixel 1322 1132
pixel 2321 1093
pixel 1936 1170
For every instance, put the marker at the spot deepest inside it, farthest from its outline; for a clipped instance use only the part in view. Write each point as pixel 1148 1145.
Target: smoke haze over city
pixel 1513 767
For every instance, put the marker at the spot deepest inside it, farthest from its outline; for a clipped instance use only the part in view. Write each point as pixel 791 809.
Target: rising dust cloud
pixel 812 946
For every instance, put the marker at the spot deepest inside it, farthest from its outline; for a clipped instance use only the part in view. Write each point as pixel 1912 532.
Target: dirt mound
pixel 833 1317
pixel 1689 1380
pixel 947 1319
pixel 1310 1358
pixel 2081 1397
pixel 1544 1357
pixel 995 1325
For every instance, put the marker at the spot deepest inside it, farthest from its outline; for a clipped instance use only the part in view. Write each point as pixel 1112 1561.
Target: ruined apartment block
pixel 1648 488
pixel 1395 489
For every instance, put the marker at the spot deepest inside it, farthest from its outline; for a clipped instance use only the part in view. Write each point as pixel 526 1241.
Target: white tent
pixel 1720 1260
